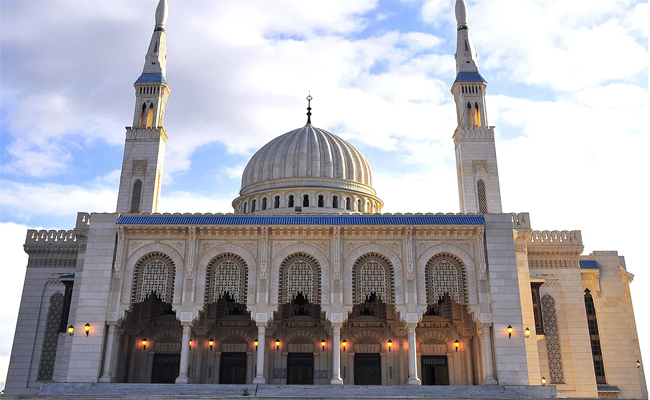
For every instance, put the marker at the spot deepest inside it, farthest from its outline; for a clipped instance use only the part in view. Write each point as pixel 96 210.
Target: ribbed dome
pixel 298 157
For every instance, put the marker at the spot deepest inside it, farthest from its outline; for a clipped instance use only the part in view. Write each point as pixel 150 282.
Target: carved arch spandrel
pixel 202 266
pixel 398 272
pixel 468 261
pixel 313 251
pixel 123 299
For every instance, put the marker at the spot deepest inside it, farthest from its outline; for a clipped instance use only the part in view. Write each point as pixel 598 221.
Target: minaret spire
pixel 146 140
pixel 476 159
pixel 466 59
pixel 309 99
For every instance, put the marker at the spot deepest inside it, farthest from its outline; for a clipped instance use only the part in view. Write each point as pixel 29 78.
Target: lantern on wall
pixel 277 344
pixel 456 344
pixel 322 344
pixel 345 344
pixel 211 343
pixel 510 331
pixel 527 332
pixel 87 329
pixel 71 330
pixel 390 345
pixel 256 343
pixel 144 343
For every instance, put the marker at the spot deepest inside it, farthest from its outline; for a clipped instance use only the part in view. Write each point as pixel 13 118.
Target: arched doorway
pixel 367 361
pixel 435 369
pixel 300 361
pixel 166 360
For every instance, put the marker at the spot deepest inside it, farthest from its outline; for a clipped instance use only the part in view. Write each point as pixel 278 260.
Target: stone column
pixel 108 357
pixel 336 352
pixel 413 363
pixel 185 352
pixel 261 346
pixel 487 349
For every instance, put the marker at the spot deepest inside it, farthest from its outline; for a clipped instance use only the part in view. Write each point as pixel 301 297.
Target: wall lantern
pixel 638 364
pixel 256 343
pixel 71 330
pixel 191 342
pixel 510 331
pixel 390 345
pixel 144 343
pixel 322 344
pixel 345 344
pixel 527 332
pixel 543 381
pixel 211 343
pixel 87 328
pixel 277 344
pixel 456 344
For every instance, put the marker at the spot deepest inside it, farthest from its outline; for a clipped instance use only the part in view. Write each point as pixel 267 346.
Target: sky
pixel 568 94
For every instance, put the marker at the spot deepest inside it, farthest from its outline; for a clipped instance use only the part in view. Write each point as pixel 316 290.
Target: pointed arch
pixel 446 275
pixel 226 275
pixel 143 115
pixel 300 273
pixel 51 338
pixel 373 274
pixel 150 116
pixel 477 115
pixel 154 273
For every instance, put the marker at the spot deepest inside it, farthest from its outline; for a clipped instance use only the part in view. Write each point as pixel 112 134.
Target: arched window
pixel 150 116
pixel 245 207
pixel 470 115
pixel 226 276
pixel 253 205
pixel 154 273
pixel 482 199
pixel 264 203
pixel 136 195
pixel 276 202
pixel 321 201
pixel 335 202
pixel 359 206
pixel 143 116
pixel 290 201
pixel 596 351
pixel 445 276
pixel 477 115
pixel 372 275
pixel 300 277
pixel 348 203
pixel 305 200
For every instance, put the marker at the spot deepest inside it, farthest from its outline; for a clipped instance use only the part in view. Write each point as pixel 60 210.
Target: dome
pixel 309 159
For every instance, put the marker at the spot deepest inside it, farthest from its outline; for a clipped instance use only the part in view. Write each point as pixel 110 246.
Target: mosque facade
pixel 308 282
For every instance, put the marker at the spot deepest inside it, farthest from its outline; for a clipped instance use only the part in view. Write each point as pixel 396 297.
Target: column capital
pixel 337 325
pixel 262 324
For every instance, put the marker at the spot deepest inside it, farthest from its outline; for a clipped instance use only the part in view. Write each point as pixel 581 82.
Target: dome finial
pixel 309 98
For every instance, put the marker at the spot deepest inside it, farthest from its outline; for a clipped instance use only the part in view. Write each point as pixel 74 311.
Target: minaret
pixel 476 159
pixel 144 150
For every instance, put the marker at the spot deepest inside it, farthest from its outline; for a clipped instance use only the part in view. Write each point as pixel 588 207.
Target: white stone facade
pixel 325 294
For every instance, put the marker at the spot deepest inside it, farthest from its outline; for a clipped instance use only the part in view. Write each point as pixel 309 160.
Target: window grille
pixel 445 275
pixel 596 352
pixel 482 199
pixel 226 275
pixel 51 339
pixel 373 274
pixel 555 367
pixel 154 273
pixel 135 196
pixel 300 274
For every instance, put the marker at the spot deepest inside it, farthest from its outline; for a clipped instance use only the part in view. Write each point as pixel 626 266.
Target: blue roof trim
pixel 469 77
pixel 301 220
pixel 589 264
pixel 152 78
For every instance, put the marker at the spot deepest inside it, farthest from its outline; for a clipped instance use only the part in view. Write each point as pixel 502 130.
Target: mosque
pixel 308 282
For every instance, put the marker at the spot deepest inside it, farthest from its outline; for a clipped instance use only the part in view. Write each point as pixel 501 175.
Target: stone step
pixel 59 391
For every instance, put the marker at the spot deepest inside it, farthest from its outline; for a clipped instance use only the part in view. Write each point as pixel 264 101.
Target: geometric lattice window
pixel 445 275
pixel 373 274
pixel 596 352
pixel 300 273
pixel 552 337
pixel 154 273
pixel 135 196
pixel 51 339
pixel 482 199
pixel 226 274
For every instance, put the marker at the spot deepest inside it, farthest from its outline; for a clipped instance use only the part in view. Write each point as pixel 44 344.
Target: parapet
pixel 556 238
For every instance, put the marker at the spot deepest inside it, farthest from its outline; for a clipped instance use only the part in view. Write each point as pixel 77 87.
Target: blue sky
pixel 568 95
